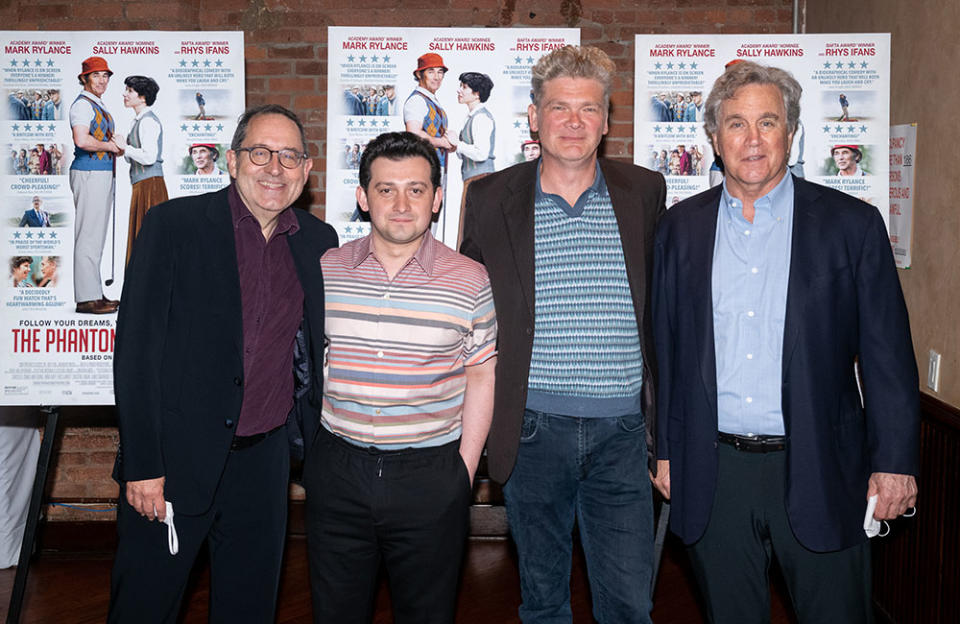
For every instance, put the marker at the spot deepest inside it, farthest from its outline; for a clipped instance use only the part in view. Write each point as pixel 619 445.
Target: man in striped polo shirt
pixel 567 240
pixel 407 402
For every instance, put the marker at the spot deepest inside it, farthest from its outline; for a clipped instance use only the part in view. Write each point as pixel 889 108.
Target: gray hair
pixel 240 134
pixel 574 62
pixel 743 73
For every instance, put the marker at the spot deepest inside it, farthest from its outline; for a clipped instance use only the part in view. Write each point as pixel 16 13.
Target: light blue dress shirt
pixel 751 269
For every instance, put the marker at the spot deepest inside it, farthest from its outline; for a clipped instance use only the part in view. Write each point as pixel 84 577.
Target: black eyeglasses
pixel 289 159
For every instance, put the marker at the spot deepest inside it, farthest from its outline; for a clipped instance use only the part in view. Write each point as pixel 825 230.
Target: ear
pixel 437 199
pixel 232 163
pixel 532 118
pixel 715 143
pixel 362 199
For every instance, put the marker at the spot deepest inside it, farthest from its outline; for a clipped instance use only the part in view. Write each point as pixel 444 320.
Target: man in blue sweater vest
pixel 567 242
pixel 93 182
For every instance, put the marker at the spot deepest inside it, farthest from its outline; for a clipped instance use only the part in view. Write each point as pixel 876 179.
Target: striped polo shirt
pixel 396 349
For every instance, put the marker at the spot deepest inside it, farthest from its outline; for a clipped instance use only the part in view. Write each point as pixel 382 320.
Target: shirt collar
pixel 425 256
pixel 479 108
pixel 92 96
pixel 146 109
pixel 286 223
pixel 432 96
pixel 598 186
pixel 777 203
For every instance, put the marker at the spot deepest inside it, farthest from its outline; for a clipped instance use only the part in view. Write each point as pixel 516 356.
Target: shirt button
pixel 228 423
pixel 379 354
pixel 749 356
pixel 754 270
pixel 750 313
pixel 746 232
pixel 386 296
pixel 749 399
pixel 377 411
pixel 237 381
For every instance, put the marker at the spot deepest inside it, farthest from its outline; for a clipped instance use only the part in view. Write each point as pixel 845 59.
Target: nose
pixel 273 166
pixel 574 119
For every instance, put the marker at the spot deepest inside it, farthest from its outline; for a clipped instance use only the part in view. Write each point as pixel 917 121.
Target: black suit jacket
pixel 843 303
pixel 178 367
pixel 498 231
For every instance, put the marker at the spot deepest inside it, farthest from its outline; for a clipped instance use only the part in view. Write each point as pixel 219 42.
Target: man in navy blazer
pixel 36 216
pixel 771 296
pixel 219 343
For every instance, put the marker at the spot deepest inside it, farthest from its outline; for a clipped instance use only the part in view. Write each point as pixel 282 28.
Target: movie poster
pixel 903 161
pixel 842 138
pixel 387 80
pixel 67 217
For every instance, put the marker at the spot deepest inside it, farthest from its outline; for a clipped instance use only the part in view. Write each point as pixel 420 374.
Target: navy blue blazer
pixel 30 219
pixel 178 367
pixel 844 304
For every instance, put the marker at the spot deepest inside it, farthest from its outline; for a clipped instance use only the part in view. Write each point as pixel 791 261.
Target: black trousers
pixel 407 509
pixel 244 528
pixel 748 524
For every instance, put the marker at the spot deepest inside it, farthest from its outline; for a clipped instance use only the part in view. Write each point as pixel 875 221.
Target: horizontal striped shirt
pixel 396 349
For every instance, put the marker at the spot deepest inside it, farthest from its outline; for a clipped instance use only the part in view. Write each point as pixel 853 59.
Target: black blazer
pixel 178 367
pixel 843 302
pixel 498 231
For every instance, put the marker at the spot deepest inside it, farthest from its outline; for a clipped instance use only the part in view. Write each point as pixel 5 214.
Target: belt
pixel 244 442
pixel 755 443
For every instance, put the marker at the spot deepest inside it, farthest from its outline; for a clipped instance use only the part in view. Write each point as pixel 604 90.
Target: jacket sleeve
pixel 663 341
pixel 141 335
pixel 887 362
pixel 470 246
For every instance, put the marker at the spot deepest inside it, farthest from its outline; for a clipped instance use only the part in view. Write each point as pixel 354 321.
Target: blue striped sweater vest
pixel 472 168
pixel 101 128
pixel 586 357
pixel 140 172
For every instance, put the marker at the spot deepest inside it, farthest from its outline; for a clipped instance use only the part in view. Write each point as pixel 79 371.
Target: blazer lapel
pixel 803 249
pixel 703 233
pixel 222 270
pixel 517 206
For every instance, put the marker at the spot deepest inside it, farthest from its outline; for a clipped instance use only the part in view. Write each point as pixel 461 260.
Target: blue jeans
pixel 593 470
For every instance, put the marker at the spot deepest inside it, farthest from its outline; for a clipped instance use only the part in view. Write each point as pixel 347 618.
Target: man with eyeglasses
pixel 208 373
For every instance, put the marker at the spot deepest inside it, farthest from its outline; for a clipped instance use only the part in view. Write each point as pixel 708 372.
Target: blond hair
pixel 574 62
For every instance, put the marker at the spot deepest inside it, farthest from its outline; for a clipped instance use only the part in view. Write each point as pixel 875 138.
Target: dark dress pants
pixel 245 529
pixel 748 525
pixel 408 509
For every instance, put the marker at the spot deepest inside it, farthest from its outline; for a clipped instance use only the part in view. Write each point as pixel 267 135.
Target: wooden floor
pixel 74 590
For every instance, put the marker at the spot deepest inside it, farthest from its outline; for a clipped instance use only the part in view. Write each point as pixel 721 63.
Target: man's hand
pixel 443 142
pixel 147 498
pixel 895 494
pixel 662 480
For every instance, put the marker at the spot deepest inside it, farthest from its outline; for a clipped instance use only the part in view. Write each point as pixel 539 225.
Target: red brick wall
pixel 286 52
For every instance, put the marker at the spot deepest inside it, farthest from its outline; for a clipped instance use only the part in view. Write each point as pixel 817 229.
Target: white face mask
pixel 873 527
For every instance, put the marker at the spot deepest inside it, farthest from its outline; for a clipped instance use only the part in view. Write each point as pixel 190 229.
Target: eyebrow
pixel 767 115
pixel 400 183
